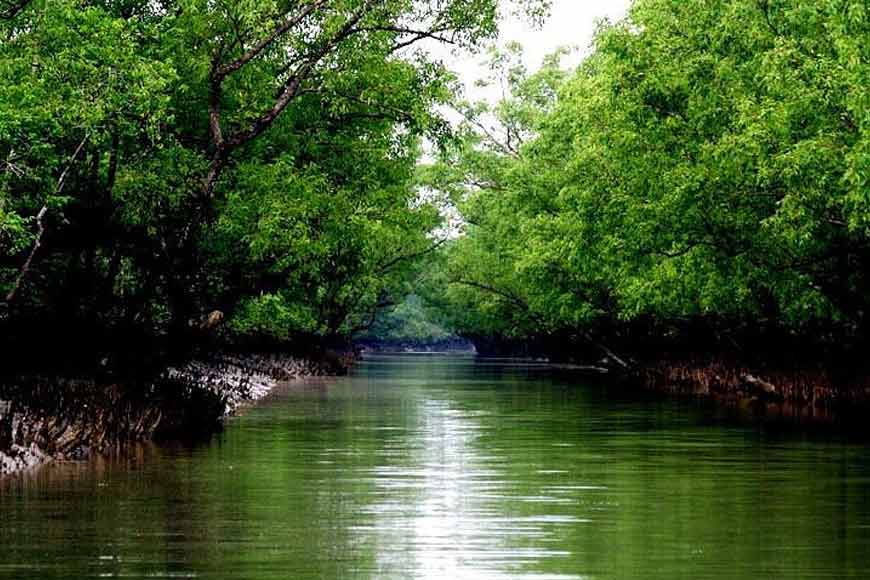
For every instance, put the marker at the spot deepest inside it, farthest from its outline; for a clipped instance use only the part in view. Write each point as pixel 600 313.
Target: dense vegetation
pixel 701 181
pixel 168 164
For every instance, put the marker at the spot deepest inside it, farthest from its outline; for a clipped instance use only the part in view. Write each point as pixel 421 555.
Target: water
pixel 432 467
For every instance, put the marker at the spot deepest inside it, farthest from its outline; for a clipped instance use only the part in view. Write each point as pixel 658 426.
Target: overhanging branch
pixel 384 268
pixel 290 89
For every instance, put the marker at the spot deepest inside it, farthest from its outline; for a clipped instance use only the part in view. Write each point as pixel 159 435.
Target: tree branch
pixel 25 269
pixel 370 321
pixel 289 91
pixel 288 24
pixel 515 300
pixel 384 268
pixel 434 33
pixel 10 9
pixel 764 5
pixel 506 148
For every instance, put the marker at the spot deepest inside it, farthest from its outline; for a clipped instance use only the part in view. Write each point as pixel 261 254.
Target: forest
pixel 183 174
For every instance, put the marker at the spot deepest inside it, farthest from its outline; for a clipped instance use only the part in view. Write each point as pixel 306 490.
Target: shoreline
pixel 44 418
pixel 815 395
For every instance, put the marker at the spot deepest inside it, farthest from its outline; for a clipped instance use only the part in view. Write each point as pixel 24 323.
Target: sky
pixel 572 23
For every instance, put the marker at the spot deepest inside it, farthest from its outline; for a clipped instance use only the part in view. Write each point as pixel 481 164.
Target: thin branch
pixel 417 35
pixel 292 86
pixel 25 269
pixel 285 26
pixel 10 166
pixel 383 111
pixel 764 5
pixel 619 360
pixel 506 148
pixel 22 274
pixel 111 177
pixel 219 73
pixel 384 268
pixel 516 301
pixel 383 303
pixel 290 90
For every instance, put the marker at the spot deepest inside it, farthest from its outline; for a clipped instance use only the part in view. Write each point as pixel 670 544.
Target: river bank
pixel 45 418
pixel 804 393
pixel 796 384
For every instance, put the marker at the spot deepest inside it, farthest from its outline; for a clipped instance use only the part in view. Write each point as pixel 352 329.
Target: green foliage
pixel 709 160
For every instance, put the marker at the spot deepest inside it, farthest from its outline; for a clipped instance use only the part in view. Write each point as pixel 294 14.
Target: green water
pixel 432 467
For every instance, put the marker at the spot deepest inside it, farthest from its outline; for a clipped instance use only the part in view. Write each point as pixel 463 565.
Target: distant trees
pixel 409 323
pixel 708 165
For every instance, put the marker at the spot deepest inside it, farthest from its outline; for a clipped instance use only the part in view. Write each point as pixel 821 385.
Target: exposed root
pixel 811 393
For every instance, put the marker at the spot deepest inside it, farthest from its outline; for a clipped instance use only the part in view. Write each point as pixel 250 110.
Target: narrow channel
pixel 452 467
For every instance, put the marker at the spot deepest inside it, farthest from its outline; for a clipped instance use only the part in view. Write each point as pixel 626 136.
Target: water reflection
pixel 440 468
pixel 440 512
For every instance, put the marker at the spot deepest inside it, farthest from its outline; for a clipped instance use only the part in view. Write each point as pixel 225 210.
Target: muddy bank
pixel 812 394
pixel 763 374
pixel 45 418
pixel 238 380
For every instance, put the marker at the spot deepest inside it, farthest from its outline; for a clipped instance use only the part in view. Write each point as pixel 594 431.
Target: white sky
pixel 572 23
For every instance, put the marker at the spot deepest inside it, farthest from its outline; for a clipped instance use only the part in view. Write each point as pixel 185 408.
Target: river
pixel 443 467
